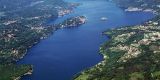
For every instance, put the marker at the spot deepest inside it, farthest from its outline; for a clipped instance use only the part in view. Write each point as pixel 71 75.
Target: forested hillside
pixel 21 27
pixel 133 52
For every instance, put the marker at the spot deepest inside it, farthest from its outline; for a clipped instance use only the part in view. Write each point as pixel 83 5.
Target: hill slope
pixel 133 52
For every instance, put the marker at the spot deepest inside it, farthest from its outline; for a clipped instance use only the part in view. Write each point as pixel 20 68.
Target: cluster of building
pixel 150 32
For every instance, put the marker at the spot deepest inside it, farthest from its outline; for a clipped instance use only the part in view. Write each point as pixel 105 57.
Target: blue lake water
pixel 69 51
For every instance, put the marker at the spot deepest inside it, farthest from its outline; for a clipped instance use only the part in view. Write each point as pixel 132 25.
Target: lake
pixel 69 51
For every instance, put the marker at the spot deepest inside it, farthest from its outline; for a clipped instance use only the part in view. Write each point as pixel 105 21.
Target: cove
pixel 69 51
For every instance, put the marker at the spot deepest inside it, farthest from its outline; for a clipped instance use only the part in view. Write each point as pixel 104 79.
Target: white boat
pixel 104 18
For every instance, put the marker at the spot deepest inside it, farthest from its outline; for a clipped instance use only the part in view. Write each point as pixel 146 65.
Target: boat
pixel 103 18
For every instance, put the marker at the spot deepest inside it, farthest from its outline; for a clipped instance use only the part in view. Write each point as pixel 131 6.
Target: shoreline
pixel 101 48
pixel 29 30
pixel 80 20
pixel 27 73
pixel 136 9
